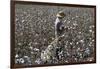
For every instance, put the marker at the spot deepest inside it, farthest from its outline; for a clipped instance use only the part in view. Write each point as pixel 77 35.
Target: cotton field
pixel 35 35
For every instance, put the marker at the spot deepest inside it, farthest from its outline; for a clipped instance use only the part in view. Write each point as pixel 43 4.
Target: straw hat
pixel 60 14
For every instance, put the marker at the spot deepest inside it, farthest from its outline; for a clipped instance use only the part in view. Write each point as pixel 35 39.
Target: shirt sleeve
pixel 59 26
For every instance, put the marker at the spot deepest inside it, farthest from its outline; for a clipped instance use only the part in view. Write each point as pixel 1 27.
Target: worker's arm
pixel 62 27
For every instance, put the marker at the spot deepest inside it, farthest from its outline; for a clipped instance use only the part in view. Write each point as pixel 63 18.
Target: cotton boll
pixel 38 61
pixel 82 41
pixel 43 56
pixel 16 56
pixel 31 47
pixel 36 49
pixel 90 30
pixel 21 60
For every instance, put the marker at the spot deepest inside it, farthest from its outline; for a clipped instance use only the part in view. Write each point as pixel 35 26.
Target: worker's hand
pixel 62 27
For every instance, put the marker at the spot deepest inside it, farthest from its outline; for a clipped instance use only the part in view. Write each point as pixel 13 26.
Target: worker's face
pixel 60 17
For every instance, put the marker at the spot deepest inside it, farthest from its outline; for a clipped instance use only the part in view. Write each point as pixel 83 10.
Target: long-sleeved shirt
pixel 58 26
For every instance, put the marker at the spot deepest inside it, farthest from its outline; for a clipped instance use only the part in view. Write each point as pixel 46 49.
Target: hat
pixel 60 14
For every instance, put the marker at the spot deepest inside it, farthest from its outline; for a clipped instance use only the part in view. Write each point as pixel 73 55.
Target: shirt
pixel 58 25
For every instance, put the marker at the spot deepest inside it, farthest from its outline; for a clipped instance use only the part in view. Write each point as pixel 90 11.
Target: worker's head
pixel 60 14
